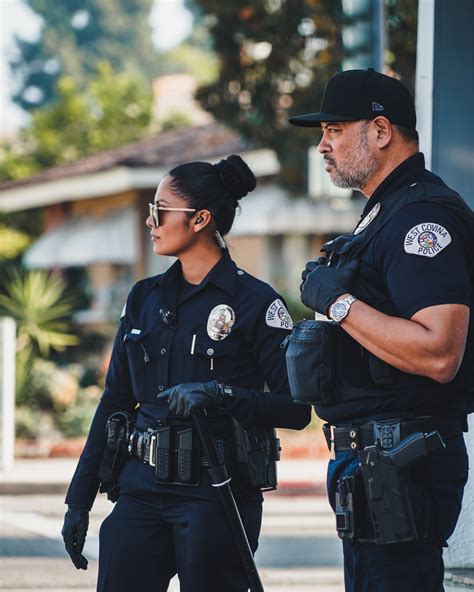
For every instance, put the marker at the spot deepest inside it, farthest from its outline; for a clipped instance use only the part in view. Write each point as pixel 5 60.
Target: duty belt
pixel 144 446
pixel 388 433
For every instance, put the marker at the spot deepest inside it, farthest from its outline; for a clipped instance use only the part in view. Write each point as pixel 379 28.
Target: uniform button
pixel 210 351
pixel 353 445
pixel 352 434
pixel 240 272
pixel 161 388
pixel 163 350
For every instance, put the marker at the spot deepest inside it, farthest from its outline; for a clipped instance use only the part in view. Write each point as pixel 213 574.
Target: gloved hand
pixel 74 531
pixel 310 267
pixel 324 285
pixel 184 398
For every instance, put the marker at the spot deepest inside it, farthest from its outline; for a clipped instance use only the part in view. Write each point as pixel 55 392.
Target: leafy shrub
pixel 50 387
pixel 75 420
pixel 27 423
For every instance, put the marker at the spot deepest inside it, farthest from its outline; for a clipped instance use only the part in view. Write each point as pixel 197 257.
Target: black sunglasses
pixel 154 212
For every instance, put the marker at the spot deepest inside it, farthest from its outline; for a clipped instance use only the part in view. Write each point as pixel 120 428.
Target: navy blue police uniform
pixel 165 338
pixel 421 256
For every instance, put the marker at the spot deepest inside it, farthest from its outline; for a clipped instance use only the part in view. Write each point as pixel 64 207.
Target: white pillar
pixel 7 392
pixel 424 76
pixel 460 552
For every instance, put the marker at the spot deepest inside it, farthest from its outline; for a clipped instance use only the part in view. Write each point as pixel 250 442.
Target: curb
pixel 462 577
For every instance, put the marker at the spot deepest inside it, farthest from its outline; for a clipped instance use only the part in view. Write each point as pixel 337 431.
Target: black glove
pixel 184 398
pixel 74 531
pixel 324 285
pixel 310 267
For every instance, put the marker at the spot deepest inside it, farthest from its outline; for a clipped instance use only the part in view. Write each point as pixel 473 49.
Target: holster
pixel 394 503
pixel 257 451
pixel 118 429
pixel 311 361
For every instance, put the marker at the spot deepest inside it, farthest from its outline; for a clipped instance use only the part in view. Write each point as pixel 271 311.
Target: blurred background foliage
pixel 87 85
pixel 75 36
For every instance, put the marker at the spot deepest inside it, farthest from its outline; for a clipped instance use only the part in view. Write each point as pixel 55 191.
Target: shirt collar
pixel 223 274
pixel 409 171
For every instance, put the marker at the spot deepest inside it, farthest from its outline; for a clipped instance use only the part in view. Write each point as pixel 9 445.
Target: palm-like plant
pixel 37 302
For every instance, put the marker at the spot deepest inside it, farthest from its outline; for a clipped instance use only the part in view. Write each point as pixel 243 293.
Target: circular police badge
pixel 368 219
pixel 220 322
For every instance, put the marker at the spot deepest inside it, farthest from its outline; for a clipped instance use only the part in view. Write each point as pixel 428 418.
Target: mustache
pixel 329 159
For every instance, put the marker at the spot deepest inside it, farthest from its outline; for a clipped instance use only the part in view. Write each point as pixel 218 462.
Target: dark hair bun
pixel 236 176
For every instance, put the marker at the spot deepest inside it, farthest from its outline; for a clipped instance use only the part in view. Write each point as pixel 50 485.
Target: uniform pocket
pixel 211 359
pixel 138 360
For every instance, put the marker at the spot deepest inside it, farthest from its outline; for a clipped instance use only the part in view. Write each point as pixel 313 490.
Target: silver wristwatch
pixel 340 309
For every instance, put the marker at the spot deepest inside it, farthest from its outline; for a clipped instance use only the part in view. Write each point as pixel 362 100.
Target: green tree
pixel 113 109
pixel 76 35
pixel 275 57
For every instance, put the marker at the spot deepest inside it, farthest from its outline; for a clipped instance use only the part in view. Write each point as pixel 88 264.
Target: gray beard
pixel 362 167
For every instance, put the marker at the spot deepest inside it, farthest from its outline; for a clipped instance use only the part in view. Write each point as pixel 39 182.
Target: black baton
pixel 221 480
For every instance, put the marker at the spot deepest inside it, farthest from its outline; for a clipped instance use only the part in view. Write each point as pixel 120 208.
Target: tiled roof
pixel 164 150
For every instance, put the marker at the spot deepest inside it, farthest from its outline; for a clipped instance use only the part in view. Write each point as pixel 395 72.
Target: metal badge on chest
pixel 220 322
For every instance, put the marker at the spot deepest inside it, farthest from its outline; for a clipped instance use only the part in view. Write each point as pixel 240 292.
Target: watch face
pixel 339 310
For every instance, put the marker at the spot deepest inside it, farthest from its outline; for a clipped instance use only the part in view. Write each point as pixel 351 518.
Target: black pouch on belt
pixel 177 456
pixel 311 360
pixel 352 518
pixel 119 428
pixel 257 451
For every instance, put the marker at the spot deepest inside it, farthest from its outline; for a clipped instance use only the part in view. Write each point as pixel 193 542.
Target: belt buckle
pixel 332 441
pixel 152 459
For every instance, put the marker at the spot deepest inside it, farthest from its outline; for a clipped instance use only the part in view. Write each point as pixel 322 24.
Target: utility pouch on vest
pixel 311 361
pixel 382 374
pixel 388 487
pixel 119 428
pixel 257 451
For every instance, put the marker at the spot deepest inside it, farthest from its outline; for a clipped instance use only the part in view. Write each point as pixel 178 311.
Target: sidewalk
pixel 52 476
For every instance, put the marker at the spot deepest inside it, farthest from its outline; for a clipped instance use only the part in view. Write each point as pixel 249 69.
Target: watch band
pixel 345 303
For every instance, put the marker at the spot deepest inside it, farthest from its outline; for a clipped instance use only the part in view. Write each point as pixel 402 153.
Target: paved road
pixel 298 548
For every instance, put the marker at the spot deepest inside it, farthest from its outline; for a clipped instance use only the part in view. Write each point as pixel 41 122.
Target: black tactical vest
pixel 384 379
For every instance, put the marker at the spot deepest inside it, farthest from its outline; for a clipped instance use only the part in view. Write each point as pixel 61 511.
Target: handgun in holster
pixel 257 451
pixel 118 429
pixel 388 485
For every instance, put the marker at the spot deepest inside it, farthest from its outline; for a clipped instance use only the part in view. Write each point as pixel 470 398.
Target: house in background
pixel 95 211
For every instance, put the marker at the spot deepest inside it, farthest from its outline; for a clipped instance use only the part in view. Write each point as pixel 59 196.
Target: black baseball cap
pixel 362 94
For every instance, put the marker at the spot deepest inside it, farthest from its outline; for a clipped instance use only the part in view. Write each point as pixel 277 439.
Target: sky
pixel 17 18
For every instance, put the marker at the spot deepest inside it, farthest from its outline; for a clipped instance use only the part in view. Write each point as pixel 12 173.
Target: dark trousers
pixel 149 538
pixel 416 566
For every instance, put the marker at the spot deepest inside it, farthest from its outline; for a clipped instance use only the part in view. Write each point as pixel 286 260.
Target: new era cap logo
pixel 377 107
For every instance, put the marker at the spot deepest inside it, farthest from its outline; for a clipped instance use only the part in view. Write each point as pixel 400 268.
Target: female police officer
pixel 213 334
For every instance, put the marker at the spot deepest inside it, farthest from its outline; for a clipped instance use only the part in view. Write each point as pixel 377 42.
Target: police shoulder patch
pixel 278 316
pixel 426 239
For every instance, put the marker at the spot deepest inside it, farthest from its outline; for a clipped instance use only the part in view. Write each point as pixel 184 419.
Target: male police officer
pixel 399 289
